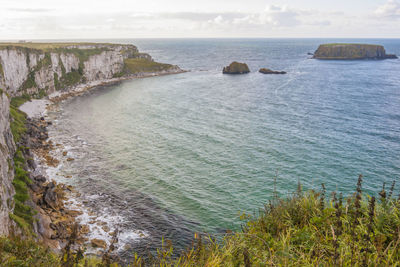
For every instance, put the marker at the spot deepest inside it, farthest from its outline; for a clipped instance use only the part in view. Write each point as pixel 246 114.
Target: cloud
pixel 280 16
pixel 273 15
pixel 391 9
pixel 30 10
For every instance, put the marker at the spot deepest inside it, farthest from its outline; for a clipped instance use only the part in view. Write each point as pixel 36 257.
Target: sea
pixel 166 157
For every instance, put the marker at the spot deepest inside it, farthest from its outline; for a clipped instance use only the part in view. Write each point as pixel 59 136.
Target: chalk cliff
pixel 40 69
pixel 36 68
pixel 7 150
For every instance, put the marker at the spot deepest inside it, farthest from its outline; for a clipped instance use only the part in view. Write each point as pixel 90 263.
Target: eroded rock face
pixel 70 62
pixel 30 71
pixel 236 68
pixel 351 51
pixel 15 69
pixel 103 66
pixel 7 150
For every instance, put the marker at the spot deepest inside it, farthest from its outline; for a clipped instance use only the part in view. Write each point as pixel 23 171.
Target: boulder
pixel 50 196
pixel 98 243
pixel 268 71
pixel 236 68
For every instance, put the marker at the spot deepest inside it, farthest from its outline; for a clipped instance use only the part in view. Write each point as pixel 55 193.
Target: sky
pixel 99 19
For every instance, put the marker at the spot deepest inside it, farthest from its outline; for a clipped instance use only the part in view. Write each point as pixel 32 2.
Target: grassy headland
pixel 141 65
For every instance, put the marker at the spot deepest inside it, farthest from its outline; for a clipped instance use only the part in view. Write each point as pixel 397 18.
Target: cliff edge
pixel 35 70
pixel 351 51
pixel 38 69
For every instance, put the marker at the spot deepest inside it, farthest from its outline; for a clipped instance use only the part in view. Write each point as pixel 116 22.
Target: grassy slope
pixel 48 46
pixel 23 214
pixel 140 65
pixel 305 229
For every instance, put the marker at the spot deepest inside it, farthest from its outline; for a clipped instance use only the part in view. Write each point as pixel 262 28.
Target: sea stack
pixel 351 51
pixel 236 68
pixel 269 71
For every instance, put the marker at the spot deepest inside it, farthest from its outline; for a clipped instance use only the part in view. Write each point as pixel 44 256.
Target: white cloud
pixel 62 19
pixel 391 9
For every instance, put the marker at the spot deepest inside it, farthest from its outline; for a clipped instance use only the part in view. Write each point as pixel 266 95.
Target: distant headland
pixel 351 51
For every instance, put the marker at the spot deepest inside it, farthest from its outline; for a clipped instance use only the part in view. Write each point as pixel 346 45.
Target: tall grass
pixel 304 229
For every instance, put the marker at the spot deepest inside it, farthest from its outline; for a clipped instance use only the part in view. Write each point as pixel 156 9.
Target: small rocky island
pixel 269 71
pixel 236 68
pixel 351 51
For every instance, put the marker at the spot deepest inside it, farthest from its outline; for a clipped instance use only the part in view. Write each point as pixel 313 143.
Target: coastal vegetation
pixel 23 213
pixel 51 46
pixel 143 65
pixel 302 229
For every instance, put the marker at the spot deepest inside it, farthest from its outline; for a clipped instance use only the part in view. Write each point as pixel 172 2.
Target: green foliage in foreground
pixel 142 65
pixel 25 253
pixel 305 229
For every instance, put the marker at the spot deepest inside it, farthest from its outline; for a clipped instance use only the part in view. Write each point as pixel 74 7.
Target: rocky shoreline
pixel 59 205
pixel 54 220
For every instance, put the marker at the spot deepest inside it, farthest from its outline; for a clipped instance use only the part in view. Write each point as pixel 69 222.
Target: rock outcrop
pixel 351 51
pixel 236 68
pixel 268 71
pixel 7 150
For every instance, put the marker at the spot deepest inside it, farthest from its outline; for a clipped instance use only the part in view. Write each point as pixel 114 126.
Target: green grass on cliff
pixel 25 253
pixel 347 44
pixel 18 118
pixel 140 65
pixel 305 229
pixel 47 46
pixel 23 214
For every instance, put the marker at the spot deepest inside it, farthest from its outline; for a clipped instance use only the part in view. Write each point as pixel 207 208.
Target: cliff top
pixel 350 44
pixel 52 46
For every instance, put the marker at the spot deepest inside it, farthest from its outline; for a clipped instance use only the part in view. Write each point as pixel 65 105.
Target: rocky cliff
pixel 36 70
pixel 351 51
pixel 39 68
pixel 7 150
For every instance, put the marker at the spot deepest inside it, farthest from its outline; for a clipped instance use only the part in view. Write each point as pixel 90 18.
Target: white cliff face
pixel 19 65
pixel 103 66
pixel 28 71
pixel 55 64
pixel 7 150
pixel 70 62
pixel 15 68
pixel 44 79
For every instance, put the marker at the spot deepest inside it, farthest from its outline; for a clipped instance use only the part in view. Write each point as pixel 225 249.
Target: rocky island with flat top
pixel 351 51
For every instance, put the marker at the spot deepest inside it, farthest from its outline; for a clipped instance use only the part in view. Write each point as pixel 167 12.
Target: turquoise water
pixel 188 152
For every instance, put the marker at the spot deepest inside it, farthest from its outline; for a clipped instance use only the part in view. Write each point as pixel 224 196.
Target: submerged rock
pixel 236 68
pixel 351 51
pixel 268 71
